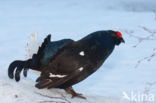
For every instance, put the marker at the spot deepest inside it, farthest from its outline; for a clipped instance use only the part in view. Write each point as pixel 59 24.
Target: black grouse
pixel 67 62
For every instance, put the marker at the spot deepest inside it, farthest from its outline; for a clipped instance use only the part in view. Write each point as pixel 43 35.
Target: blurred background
pixel 131 67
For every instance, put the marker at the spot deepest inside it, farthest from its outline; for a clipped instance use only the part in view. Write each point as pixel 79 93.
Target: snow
pixel 75 19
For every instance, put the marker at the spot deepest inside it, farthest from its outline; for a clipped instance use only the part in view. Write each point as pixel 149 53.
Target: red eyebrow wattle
pixel 119 34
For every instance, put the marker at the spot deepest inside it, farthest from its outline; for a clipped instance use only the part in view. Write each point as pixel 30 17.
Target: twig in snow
pixel 150 37
pixel 54 99
pixel 148 58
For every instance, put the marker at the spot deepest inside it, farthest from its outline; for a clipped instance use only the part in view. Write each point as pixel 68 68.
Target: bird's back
pixel 52 48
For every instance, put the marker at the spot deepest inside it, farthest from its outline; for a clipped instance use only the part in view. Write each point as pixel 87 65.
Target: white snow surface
pixel 75 19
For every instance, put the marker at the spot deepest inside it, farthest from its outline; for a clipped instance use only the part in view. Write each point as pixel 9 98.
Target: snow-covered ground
pixel 75 19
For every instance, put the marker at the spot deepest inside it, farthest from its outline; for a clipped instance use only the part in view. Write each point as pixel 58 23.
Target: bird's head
pixel 117 37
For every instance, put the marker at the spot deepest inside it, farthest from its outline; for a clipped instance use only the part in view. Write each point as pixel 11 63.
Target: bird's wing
pixel 53 83
pixel 53 48
pixel 37 57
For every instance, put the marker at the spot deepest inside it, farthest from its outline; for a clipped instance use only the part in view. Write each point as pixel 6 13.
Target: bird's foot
pixel 79 95
pixel 71 91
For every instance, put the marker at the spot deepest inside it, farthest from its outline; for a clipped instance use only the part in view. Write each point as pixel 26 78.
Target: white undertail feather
pixel 32 45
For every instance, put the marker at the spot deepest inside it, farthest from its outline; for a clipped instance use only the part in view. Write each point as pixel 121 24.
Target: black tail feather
pixel 25 72
pixel 17 66
pixel 33 63
pixel 13 66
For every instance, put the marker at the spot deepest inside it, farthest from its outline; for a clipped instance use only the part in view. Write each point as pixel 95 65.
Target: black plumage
pixel 67 62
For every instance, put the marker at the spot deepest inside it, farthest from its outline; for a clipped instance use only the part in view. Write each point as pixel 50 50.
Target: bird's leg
pixel 71 91
pixel 44 75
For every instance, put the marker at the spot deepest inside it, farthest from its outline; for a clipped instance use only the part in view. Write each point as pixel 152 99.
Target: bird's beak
pixel 122 40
